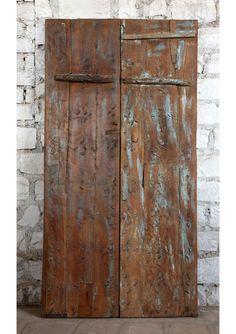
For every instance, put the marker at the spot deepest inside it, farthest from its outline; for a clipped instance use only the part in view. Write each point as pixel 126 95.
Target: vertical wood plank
pixel 93 172
pixel 158 174
pixel 54 282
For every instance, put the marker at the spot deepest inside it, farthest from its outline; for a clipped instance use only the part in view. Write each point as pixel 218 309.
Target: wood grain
pixel 88 236
pixel 120 169
pixel 54 281
pixel 158 173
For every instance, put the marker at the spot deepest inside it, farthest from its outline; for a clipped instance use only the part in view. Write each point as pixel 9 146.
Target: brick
pixel 208 241
pixel 202 138
pixel 202 10
pixel 208 191
pixel 202 301
pixel 208 166
pixel 35 269
pixel 208 113
pixel 30 217
pixel 154 8
pixel 25 10
pixel 208 270
pixel 84 9
pixel 30 95
pixel 39 187
pixel 40 65
pixel 208 215
pixel 40 89
pixel 25 29
pixel 212 66
pixel 25 62
pixel 25 70
pixel 26 138
pixel 21 242
pixel 208 38
pixel 208 89
pixel 31 163
pixel 40 32
pixel 24 112
pixel 37 240
pixel 127 9
pixel 22 187
pixel 212 296
pixel 25 45
pixel 20 95
pixel 43 9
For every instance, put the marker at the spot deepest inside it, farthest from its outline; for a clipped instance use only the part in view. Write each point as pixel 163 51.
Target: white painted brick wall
pixel 208 38
pixel 31 216
pixel 208 165
pixel 22 187
pixel 39 190
pixel 26 138
pixel 31 163
pixel 208 113
pixel 80 8
pixel 202 10
pixel 208 89
pixel 208 191
pixel 24 112
pixel 208 270
pixel 30 115
pixel 208 241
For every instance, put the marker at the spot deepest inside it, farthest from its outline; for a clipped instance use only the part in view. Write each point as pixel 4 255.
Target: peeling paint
pixel 187 252
pixel 180 54
pixel 169 118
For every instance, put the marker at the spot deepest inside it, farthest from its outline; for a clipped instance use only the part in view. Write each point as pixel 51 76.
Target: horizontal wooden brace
pixel 155 81
pixel 160 35
pixel 78 77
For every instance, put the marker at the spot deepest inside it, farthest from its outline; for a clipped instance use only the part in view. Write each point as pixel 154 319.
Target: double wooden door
pixel 120 168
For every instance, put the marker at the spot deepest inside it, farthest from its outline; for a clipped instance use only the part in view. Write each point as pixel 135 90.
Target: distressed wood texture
pixel 81 227
pixel 158 248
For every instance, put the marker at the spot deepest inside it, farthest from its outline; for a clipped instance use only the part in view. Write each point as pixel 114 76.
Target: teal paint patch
pixel 186 249
pixel 145 75
pixel 80 215
pixel 184 184
pixel 104 107
pixel 185 103
pixel 160 46
pixel 125 186
pixel 152 26
pixel 129 122
pixel 169 118
pixel 155 118
pixel 186 24
pixel 180 54
pixel 140 176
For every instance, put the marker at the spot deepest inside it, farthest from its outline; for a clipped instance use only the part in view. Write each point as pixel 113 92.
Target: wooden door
pixel 81 225
pixel 158 251
pixel 120 220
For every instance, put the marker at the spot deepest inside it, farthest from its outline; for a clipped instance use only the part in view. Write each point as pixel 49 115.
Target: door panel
pixel 120 169
pixel 158 169
pixel 88 234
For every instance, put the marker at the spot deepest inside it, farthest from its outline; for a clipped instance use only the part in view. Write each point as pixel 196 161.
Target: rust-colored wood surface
pixel 158 250
pixel 120 169
pixel 81 227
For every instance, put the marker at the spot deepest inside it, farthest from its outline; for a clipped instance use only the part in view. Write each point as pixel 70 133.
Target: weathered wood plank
pixel 156 81
pixel 79 77
pixel 93 175
pixel 161 35
pixel 158 174
pixel 54 283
